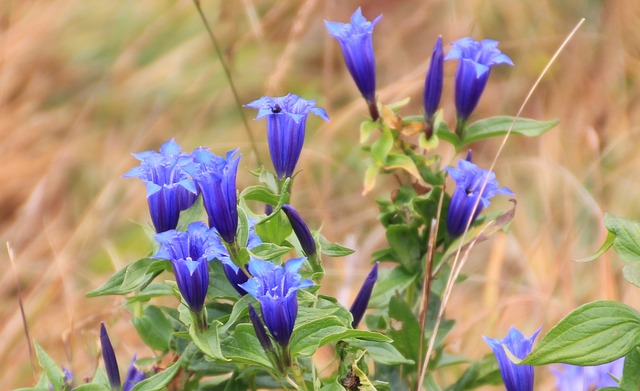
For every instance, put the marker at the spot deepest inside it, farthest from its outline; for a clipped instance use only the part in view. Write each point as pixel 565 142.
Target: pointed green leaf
pixel 260 193
pixel 382 352
pixel 608 242
pixel 159 381
pixel 382 146
pixel 54 373
pixel 269 251
pixel 243 347
pixel 630 380
pixel 208 341
pixel 499 126
pixel 154 328
pixel 593 334
pixel 404 162
pixel 333 249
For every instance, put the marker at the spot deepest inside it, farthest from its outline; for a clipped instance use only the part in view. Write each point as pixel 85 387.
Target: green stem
pixel 201 319
pixel 298 376
pixel 460 125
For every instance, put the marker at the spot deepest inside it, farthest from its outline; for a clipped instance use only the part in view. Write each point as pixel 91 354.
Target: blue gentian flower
pixel 189 253
pixel 301 230
pixel 516 377
pixel 169 188
pixel 276 289
pixel 469 179
pixel 355 38
pixel 216 179
pixel 433 82
pixel 286 122
pixel 475 62
pixel 361 302
pixel 134 375
pixel 235 274
pixel 576 378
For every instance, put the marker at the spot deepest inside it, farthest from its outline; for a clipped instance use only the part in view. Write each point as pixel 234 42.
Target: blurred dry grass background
pixel 84 84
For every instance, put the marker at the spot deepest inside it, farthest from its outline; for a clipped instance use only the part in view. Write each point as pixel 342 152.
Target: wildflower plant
pixel 234 302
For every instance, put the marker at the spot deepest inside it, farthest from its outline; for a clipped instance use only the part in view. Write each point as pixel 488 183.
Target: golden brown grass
pixel 84 84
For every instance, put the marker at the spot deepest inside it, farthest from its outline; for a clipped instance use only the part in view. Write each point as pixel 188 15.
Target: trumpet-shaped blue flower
pixel 469 179
pixel 433 81
pixel 515 377
pixel 169 188
pixel 361 302
pixel 234 274
pixel 576 378
pixel 216 179
pixel 475 62
pixel 134 375
pixel 286 123
pixel 189 253
pixel 301 230
pixel 355 38
pixel 276 289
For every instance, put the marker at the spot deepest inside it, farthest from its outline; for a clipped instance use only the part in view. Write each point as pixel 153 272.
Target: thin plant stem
pixel 25 326
pixel 458 262
pixel 227 74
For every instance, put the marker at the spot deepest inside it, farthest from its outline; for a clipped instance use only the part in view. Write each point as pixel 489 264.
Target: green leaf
pixel 242 235
pixel 481 372
pixel 111 286
pixel 627 241
pixel 208 341
pixel 499 126
pixel 54 373
pixel 132 277
pixel 366 127
pixel 243 347
pixel 276 229
pixel 593 334
pixel 406 245
pixel 390 281
pixel 151 291
pixel 307 337
pixel 154 328
pixel 370 177
pixel 630 380
pixel 333 249
pixel 269 251
pixel 406 332
pixel 159 381
pixel 240 310
pixel 91 387
pixel 404 162
pixel 603 249
pixel 260 193
pixel 382 352
pixel 381 147
pixel 334 386
pixel 444 133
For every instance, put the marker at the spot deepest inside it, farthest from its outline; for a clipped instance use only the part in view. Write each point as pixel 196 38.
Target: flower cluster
pixel 475 62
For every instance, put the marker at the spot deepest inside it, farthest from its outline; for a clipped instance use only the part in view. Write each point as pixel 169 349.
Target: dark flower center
pixel 276 109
